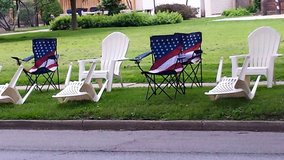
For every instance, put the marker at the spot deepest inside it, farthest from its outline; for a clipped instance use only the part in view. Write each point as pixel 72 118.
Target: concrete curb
pixel 260 126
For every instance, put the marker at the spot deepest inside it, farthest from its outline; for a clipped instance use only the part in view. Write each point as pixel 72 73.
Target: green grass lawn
pixel 130 103
pixel 219 39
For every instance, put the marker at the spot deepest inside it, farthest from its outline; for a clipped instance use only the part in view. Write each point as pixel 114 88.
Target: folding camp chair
pixel 192 61
pixel 45 64
pixel 79 90
pixel 165 50
pixel 10 94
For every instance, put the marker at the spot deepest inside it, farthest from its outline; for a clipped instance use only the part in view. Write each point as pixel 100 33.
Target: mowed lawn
pixel 219 39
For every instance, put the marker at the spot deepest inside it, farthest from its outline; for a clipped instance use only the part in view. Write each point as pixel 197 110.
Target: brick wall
pixel 271 6
pixel 65 4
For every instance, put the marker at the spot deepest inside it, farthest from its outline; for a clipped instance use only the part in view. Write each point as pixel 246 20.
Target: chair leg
pixel 214 98
pixel 269 79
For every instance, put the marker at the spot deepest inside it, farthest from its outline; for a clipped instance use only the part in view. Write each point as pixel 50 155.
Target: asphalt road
pixel 121 145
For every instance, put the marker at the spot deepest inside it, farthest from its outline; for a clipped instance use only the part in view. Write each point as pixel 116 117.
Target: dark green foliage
pixel 251 8
pixel 118 20
pixel 5 5
pixel 236 12
pixel 257 4
pixel 112 6
pixel 53 8
pixel 187 12
pixel 61 23
pixel 26 16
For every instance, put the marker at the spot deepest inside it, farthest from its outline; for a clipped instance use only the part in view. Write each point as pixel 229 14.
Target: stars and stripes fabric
pixel 190 43
pixel 166 49
pixel 43 49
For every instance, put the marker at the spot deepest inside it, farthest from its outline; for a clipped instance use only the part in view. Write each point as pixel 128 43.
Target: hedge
pixel 118 20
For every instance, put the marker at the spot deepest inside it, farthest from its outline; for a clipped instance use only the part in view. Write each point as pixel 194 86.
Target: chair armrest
pixel 140 57
pixel 238 56
pixel 28 58
pixel 199 51
pixel 122 59
pixel 234 60
pixel 278 55
pixel 88 60
pixel 53 57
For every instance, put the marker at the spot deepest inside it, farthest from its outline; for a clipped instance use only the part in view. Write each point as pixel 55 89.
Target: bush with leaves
pixel 187 12
pixel 117 20
pixel 251 8
pixel 49 8
pixel 236 12
pixel 257 4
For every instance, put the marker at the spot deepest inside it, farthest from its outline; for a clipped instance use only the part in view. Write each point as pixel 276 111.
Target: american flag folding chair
pixel 165 50
pixel 192 61
pixel 45 64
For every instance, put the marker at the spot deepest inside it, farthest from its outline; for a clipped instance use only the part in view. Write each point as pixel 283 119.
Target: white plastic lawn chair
pixel 10 94
pixel 263 46
pixel 232 86
pixel 79 90
pixel 0 68
pixel 114 48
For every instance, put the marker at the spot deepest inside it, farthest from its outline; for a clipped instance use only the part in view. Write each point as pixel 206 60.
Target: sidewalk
pixel 34 31
pixel 252 18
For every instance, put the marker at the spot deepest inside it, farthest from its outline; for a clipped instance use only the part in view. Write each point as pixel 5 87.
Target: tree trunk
pixel 263 7
pixel 186 3
pixel 17 15
pixel 18 21
pixel 74 24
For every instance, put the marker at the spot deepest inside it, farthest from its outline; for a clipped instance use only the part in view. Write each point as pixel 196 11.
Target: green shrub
pixel 167 18
pixel 61 23
pixel 117 20
pixel 251 8
pixel 236 12
pixel 53 8
pixel 187 12
pixel 257 4
pixel 132 19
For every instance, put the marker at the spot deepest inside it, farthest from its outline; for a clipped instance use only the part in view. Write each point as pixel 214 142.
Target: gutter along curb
pixel 184 125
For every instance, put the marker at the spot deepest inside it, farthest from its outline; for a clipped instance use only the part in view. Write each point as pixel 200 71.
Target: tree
pixel 74 24
pixel 112 6
pixel 129 4
pixel 5 6
pixel 48 9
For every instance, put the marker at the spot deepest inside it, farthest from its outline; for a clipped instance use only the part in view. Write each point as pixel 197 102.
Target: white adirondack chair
pixel 263 46
pixel 79 90
pixel 232 86
pixel 114 48
pixel 10 94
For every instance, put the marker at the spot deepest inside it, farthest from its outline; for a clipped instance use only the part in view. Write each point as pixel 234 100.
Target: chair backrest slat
pixel 114 46
pixel 263 43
